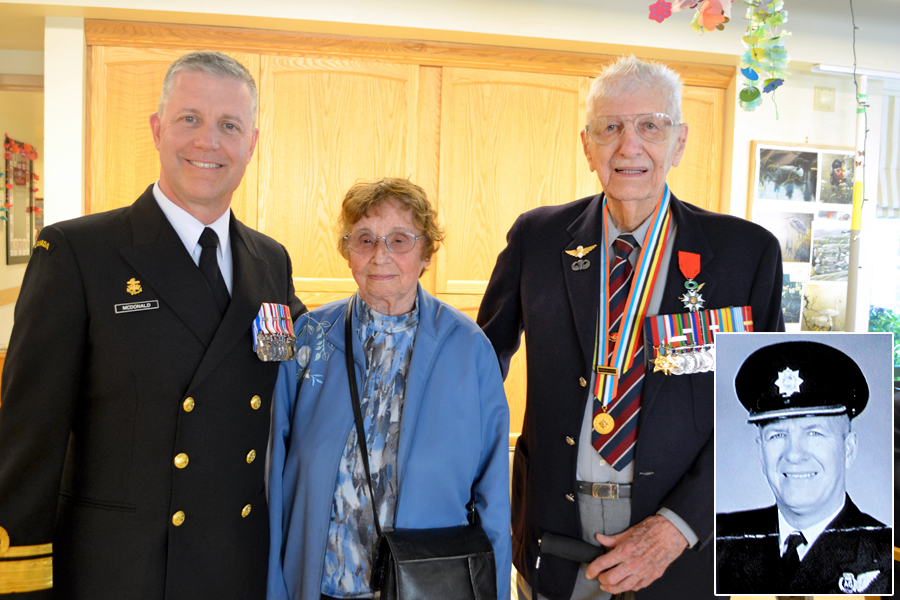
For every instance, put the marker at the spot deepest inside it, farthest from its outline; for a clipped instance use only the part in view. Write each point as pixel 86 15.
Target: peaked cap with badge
pixel 800 379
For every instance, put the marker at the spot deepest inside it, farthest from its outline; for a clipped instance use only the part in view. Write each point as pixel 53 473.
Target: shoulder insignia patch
pixel 42 244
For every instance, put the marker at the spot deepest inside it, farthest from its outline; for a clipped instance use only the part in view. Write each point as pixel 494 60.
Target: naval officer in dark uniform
pixel 802 397
pixel 135 413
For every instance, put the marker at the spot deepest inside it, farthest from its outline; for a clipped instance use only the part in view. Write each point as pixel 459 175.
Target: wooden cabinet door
pixel 123 161
pixel 509 143
pixel 699 176
pixel 325 124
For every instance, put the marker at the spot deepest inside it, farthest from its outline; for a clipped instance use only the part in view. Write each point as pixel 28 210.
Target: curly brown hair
pixel 366 196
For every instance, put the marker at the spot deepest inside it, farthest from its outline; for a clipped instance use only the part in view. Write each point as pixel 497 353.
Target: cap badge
pixel 788 382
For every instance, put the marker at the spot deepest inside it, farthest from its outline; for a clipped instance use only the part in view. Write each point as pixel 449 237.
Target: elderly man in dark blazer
pixel 135 413
pixel 617 450
pixel 814 539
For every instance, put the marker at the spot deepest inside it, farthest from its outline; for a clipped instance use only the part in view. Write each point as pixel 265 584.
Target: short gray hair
pixel 214 64
pixel 630 75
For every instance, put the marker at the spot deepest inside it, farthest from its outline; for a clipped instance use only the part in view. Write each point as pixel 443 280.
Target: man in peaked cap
pixel 802 397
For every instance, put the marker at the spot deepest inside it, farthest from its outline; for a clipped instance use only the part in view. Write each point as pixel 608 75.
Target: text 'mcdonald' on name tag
pixel 136 306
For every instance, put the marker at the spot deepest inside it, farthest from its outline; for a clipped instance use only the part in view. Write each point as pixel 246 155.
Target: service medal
pixel 689 265
pixel 604 423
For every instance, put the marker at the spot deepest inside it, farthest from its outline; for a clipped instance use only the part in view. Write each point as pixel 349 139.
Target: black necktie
pixel 790 560
pixel 209 266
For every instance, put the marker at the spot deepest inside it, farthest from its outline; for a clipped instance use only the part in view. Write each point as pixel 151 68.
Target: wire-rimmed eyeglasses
pixel 653 127
pixel 399 242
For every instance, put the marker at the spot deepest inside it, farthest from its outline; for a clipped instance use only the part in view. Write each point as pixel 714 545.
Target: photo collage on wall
pixel 804 196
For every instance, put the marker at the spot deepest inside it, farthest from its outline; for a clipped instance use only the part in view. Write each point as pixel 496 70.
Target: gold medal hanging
pixel 604 423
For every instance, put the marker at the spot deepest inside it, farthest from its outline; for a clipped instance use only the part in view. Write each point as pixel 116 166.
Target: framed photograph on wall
pixel 803 194
pixel 19 205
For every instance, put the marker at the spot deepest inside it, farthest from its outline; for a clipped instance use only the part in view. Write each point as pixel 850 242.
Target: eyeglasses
pixel 398 242
pixel 653 127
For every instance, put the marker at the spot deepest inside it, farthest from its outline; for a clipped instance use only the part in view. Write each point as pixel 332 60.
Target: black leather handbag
pixel 447 563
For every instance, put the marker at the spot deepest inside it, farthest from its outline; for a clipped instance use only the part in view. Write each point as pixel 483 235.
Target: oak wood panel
pixel 21 83
pixel 153 35
pixel 698 178
pixel 325 124
pixel 123 161
pixel 506 147
pixel 9 295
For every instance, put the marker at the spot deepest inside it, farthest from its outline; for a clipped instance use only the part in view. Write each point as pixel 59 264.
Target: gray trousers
pixel 597 516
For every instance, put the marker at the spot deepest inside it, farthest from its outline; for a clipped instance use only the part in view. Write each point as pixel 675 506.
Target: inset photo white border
pixel 740 484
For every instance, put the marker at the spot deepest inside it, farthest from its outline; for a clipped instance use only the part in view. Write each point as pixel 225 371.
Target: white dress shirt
pixel 189 229
pixel 811 533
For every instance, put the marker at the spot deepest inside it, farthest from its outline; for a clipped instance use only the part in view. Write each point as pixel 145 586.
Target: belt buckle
pixel 606 491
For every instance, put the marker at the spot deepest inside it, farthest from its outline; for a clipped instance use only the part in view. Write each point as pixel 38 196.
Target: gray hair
pixel 630 75
pixel 214 64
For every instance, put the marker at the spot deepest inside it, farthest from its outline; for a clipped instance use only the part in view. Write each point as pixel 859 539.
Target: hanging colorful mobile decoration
pixel 10 148
pixel 765 58
pixel 711 14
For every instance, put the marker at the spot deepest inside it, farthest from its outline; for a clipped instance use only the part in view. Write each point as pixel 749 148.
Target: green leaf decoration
pixel 765 54
pixel 750 93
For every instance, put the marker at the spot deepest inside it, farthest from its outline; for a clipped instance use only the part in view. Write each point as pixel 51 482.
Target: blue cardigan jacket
pixel 453 434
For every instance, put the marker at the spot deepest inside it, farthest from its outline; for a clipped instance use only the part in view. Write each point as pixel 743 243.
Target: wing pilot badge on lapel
pixel 580 252
pixel 273 333
pixel 689 264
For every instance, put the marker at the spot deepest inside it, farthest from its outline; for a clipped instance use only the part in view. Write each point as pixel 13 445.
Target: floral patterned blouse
pixel 388 344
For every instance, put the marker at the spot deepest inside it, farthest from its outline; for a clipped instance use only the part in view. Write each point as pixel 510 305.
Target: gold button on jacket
pixel 251 456
pixel 178 518
pixel 582 382
pixel 181 460
pixel 188 404
pixel 255 402
pixel 246 511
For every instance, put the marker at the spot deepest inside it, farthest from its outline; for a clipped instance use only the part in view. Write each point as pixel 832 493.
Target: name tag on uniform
pixel 136 306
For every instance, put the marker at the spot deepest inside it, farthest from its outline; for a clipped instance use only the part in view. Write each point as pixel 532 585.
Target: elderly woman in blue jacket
pixel 432 401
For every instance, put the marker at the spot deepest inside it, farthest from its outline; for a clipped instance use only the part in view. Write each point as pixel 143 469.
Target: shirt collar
pixel 640 234
pixel 189 228
pixel 811 533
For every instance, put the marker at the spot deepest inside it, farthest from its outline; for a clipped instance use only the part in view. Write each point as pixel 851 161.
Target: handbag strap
pixel 471 513
pixel 357 411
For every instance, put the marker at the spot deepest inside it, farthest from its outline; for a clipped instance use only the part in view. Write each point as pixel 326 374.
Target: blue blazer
pixel 453 435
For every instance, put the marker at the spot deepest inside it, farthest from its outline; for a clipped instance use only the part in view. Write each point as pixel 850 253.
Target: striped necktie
pixel 617 446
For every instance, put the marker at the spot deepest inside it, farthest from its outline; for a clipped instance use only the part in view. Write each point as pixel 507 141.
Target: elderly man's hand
pixel 638 556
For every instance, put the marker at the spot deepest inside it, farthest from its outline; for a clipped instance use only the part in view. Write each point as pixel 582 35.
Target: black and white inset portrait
pixel 804 463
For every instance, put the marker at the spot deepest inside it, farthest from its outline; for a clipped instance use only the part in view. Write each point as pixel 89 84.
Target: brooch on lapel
pixel 689 265
pixel 273 333
pixel 857 584
pixel 133 287
pixel 580 252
